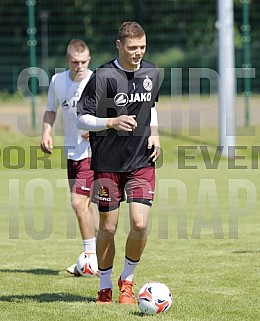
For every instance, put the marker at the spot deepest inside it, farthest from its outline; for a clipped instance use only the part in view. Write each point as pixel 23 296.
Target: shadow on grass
pixel 139 314
pixel 31 271
pixel 245 251
pixel 46 297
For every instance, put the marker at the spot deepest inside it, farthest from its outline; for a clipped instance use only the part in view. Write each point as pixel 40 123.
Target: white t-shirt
pixel 65 92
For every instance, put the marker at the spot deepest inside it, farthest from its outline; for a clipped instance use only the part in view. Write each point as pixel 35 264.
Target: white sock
pixel 129 268
pixel 90 245
pixel 105 279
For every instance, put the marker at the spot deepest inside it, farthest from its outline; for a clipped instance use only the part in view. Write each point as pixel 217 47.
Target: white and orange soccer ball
pixel 87 264
pixel 154 298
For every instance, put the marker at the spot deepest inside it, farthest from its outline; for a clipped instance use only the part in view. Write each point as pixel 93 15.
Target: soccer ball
pixel 87 264
pixel 154 298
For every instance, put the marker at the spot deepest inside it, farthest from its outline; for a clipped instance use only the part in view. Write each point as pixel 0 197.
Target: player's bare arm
pixel 46 140
pixel 154 141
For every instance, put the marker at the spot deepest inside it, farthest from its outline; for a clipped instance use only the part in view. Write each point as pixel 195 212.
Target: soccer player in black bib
pixel 118 108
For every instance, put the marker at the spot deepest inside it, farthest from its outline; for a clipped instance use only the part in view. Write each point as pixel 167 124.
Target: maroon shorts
pixel 109 188
pixel 80 176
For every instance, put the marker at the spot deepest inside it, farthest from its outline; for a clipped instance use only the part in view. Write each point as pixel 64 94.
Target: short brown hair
pixel 77 45
pixel 130 29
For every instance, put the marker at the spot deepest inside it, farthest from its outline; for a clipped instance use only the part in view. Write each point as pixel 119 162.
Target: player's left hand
pixel 153 141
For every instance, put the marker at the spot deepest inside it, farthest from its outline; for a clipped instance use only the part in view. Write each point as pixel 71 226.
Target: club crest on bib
pixel 148 84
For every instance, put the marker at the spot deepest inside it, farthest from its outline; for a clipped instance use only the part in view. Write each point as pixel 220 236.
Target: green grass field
pixel 204 238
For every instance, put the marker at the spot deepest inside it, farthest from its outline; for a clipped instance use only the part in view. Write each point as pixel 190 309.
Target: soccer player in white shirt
pixel 64 91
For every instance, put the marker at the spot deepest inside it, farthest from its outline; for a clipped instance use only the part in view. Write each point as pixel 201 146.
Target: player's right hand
pixel 46 144
pixel 123 122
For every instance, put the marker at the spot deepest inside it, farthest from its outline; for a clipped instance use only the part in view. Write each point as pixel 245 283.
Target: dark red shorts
pixel 80 176
pixel 109 188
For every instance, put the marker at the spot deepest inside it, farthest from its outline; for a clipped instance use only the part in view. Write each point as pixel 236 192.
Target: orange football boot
pixel 126 289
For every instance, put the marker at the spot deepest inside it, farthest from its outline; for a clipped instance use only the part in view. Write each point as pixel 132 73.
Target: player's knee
pixel 139 226
pixel 108 229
